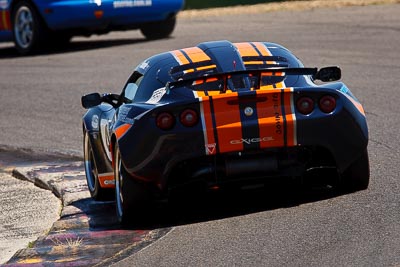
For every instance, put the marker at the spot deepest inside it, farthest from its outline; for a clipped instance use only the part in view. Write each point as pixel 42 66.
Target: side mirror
pixel 328 74
pixel 91 100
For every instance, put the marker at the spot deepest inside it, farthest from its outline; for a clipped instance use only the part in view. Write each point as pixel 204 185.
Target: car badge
pixel 248 111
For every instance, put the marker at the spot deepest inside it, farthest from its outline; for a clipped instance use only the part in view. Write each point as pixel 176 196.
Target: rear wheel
pixel 29 30
pixel 92 179
pixel 131 196
pixel 160 29
pixel 356 176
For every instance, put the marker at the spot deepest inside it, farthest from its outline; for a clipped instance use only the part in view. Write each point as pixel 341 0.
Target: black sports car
pixel 220 114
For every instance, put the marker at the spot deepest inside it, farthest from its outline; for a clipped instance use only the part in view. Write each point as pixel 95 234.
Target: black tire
pixel 131 196
pixel 29 30
pixel 356 176
pixel 92 179
pixel 160 29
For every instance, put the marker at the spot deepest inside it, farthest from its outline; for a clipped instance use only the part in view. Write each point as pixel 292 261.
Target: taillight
pixel 327 103
pixel 189 117
pixel 305 105
pixel 165 121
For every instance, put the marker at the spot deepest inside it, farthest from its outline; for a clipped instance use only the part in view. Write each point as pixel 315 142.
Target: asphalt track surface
pixel 40 111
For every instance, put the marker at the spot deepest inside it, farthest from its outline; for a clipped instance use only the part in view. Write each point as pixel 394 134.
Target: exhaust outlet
pixel 240 166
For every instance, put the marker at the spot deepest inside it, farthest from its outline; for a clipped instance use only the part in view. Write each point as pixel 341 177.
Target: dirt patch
pixel 289 5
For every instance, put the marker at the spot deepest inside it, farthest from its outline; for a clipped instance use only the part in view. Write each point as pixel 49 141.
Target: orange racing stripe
pixel 291 134
pixel 228 123
pixel 180 57
pixel 121 130
pixel 255 49
pixel 270 119
pixel 196 54
pixel 246 49
pixel 277 121
pixel 265 52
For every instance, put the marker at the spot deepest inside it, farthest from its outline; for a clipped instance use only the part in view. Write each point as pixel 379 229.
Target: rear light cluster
pixel 305 105
pixel 166 120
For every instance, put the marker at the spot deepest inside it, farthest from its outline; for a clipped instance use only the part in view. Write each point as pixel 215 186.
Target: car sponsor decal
pixel 123 114
pixel 233 123
pixel 132 3
pixel 277 118
pixel 4 4
pixel 156 96
pixel 208 125
pixel 144 66
pixel 5 23
pixel 106 180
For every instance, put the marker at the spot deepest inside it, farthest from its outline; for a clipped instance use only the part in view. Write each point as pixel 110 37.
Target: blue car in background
pixel 36 24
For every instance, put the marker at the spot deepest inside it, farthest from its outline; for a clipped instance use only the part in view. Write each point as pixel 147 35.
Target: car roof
pixel 211 57
pixel 227 56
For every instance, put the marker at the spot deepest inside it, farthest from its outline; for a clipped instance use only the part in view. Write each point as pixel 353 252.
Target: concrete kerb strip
pixel 85 234
pixel 66 180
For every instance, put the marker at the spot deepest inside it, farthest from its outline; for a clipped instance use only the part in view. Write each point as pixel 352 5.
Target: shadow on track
pixel 73 46
pixel 184 209
pixel 222 205
pixel 90 231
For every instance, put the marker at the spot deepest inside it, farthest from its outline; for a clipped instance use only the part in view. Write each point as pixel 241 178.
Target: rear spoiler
pixel 208 67
pixel 325 74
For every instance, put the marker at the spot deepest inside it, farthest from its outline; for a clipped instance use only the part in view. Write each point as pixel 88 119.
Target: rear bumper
pixel 344 135
pixel 154 156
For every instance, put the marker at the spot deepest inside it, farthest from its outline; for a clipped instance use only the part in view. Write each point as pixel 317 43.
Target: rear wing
pixel 252 78
pixel 200 68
